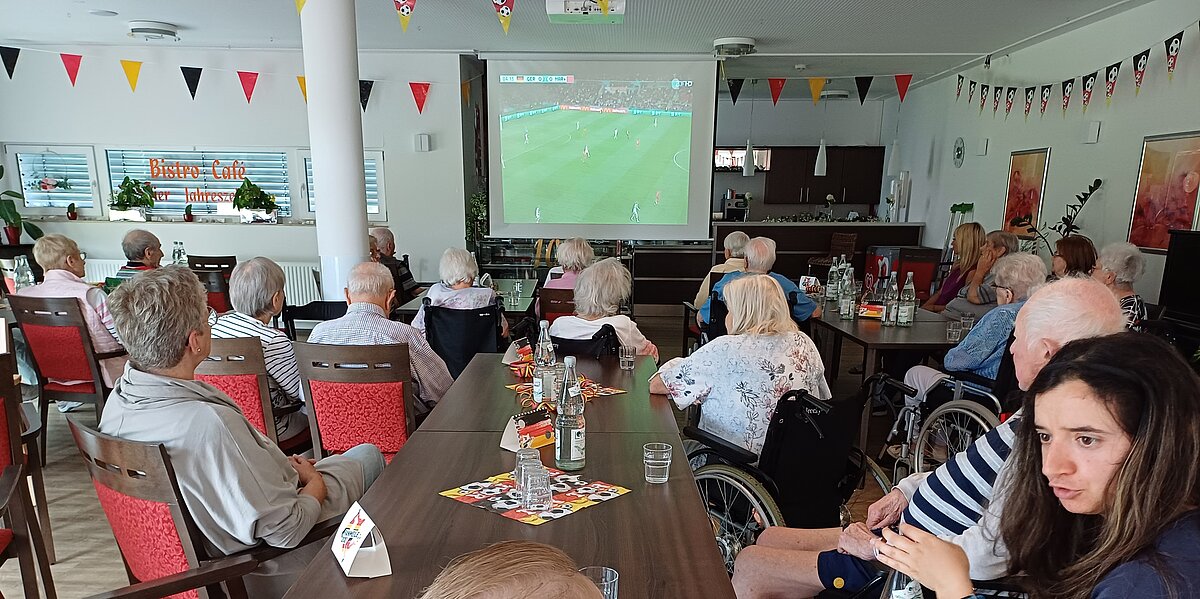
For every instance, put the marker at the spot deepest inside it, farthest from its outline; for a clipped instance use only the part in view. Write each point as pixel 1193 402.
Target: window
pixel 372 164
pixel 731 159
pixel 205 179
pixel 53 178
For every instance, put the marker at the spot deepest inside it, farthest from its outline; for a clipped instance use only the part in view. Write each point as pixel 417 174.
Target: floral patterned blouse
pixel 738 379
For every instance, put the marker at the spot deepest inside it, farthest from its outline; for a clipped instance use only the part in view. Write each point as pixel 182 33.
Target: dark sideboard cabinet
pixel 854 175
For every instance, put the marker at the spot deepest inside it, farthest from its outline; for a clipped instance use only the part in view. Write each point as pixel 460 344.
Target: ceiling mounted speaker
pixel 153 30
pixel 733 46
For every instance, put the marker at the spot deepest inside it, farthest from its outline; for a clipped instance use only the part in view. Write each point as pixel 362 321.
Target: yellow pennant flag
pixel 132 69
pixel 303 87
pixel 504 9
pixel 300 5
pixel 466 91
pixel 815 85
pixel 603 6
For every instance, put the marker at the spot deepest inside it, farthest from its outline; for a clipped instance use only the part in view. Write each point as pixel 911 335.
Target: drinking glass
pixel 535 488
pixel 516 288
pixel 954 331
pixel 604 578
pixel 968 322
pixel 526 458
pixel 657 458
pixel 627 354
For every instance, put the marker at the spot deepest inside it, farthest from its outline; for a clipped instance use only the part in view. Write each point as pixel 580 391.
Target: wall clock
pixel 960 150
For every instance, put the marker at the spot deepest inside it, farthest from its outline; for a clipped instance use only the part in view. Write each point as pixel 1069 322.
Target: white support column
pixel 330 45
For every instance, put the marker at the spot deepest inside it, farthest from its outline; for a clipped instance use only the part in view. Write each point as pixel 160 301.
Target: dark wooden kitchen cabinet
pixel 853 174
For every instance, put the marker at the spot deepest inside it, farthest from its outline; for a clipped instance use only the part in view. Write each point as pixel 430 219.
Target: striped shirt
pixel 283 374
pixel 367 324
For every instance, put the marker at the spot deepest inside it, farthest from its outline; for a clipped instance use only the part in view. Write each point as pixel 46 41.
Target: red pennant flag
pixel 71 62
pixel 1067 87
pixel 420 91
pixel 1173 44
pixel 1089 82
pixel 776 89
pixel 1110 82
pixel 1046 97
pixel 971 93
pixel 1139 70
pixel 902 82
pixel 249 80
pixel 1029 92
pixel 983 96
pixel 1010 95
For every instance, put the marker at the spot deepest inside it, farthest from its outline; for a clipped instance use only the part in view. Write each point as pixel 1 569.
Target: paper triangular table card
pixel 358 558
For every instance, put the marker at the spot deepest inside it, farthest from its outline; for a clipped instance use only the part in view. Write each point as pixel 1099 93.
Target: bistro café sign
pixel 216 171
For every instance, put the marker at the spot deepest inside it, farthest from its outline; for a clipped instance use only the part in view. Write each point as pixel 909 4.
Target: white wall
pixel 931 120
pixel 798 123
pixel 423 191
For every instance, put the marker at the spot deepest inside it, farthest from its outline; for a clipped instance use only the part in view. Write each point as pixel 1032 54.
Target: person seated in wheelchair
pixel 962 501
pixel 458 270
pixel 980 352
pixel 760 259
pixel 738 378
pixel 1098 419
pixel 599 291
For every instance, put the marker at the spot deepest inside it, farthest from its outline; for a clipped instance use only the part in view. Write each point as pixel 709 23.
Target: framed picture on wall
pixel 1168 179
pixel 1026 186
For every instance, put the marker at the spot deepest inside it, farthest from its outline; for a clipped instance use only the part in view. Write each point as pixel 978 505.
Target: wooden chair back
pixel 216 284
pixel 357 394
pixel 224 264
pixel 553 303
pixel 842 243
pixel 555 275
pixel 237 368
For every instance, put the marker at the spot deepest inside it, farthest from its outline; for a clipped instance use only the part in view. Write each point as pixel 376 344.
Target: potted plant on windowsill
pixel 12 218
pixel 130 200
pixel 72 212
pixel 187 214
pixel 254 204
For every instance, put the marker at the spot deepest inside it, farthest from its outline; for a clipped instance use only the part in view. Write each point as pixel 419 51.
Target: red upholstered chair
pixel 357 394
pixel 553 303
pixel 237 368
pixel 216 284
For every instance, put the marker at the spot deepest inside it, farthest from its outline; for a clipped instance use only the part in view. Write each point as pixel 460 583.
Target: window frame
pixel 13 167
pixel 300 209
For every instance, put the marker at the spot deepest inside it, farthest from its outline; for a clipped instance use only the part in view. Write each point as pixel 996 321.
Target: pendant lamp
pixel 822 161
pixel 893 167
pixel 748 161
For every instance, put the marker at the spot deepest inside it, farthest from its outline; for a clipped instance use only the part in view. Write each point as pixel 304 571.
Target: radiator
pixel 98 270
pixel 299 285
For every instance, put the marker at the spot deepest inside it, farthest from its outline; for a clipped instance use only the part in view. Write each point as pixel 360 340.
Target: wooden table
pixel 408 311
pixel 658 537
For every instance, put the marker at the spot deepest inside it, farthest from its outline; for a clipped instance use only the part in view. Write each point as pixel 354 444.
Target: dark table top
pixel 928 331
pixel 503 288
pixel 478 400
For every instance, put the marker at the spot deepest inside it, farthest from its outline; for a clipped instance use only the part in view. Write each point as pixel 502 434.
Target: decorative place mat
pixel 571 494
pixel 591 389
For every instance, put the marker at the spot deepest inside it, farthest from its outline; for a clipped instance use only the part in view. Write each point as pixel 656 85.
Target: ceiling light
pixel 822 163
pixel 153 30
pixel 801 67
pixel 835 94
pixel 102 13
pixel 733 46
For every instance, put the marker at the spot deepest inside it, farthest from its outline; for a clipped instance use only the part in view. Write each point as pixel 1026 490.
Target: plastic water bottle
pixel 908 303
pixel 22 275
pixel 846 300
pixel 904 587
pixel 174 252
pixel 183 257
pixel 543 360
pixel 891 302
pixel 570 436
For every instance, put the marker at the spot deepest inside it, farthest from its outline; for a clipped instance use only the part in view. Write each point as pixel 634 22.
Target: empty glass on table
pixel 604 578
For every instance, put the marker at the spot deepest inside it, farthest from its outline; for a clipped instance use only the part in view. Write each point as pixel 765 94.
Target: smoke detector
pixel 733 46
pixel 153 30
pixel 835 94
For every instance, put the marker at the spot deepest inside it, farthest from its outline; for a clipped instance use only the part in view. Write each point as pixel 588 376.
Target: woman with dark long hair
pixel 1104 497
pixel 1074 256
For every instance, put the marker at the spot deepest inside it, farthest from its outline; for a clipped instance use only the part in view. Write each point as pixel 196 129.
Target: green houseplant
pixel 72 212
pixel 130 199
pixel 187 214
pixel 256 205
pixel 12 218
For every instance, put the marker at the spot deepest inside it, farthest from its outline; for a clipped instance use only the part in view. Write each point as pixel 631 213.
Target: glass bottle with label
pixel 543 371
pixel 891 301
pixel 904 587
pixel 22 275
pixel 846 306
pixel 570 434
pixel 908 304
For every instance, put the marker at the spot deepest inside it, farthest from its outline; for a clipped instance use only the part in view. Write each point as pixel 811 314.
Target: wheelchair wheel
pixel 698 454
pixel 739 508
pixel 950 429
pixel 862 474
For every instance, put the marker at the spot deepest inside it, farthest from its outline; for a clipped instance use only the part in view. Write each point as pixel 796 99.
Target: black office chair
pixel 318 310
pixel 457 335
pixel 603 343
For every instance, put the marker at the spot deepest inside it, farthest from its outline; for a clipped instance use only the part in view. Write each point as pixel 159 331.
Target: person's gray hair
pixel 370 279
pixel 1020 273
pixel 760 254
pixel 387 242
pixel 575 254
pixel 52 251
pixel 457 266
pixel 736 242
pixel 253 285
pixel 1124 260
pixel 136 242
pixel 1006 240
pixel 155 313
pixel 1069 309
pixel 601 288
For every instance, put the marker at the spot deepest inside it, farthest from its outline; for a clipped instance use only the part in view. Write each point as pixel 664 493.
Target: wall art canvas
pixel 1026 185
pixel 1165 199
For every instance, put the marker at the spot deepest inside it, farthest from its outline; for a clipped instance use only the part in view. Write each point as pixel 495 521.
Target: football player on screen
pixel 636 217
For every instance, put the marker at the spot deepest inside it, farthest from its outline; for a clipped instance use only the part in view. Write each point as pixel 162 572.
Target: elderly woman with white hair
pixel 1119 266
pixel 599 292
pixel 256 292
pixel 574 255
pixel 738 378
pixel 980 352
pixel 457 290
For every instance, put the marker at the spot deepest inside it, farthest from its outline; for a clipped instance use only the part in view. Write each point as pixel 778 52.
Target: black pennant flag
pixel 864 85
pixel 735 88
pixel 9 56
pixel 192 76
pixel 364 91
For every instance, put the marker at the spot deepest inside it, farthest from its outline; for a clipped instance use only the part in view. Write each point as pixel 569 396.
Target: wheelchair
pixel 807 471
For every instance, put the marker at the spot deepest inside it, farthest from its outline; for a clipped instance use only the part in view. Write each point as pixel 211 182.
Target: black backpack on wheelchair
pixel 603 343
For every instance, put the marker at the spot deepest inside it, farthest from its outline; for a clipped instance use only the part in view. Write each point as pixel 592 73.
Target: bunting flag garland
pixel 191 76
pixel 9 56
pixel 71 62
pixel 776 88
pixel 364 91
pixel 902 82
pixel 1173 43
pixel 1067 87
pixel 1010 95
pixel 1029 95
pixel 1110 82
pixel 404 8
pixel 997 91
pixel 420 92
pixel 983 96
pixel 1089 82
pixel 465 88
pixel 249 80
pixel 971 93
pixel 300 5
pixel 815 85
pixel 735 88
pixel 133 69
pixel 504 9
pixel 1139 70
pixel 958 91
pixel 603 6
pixel 864 85
pixel 1046 90
pixel 303 87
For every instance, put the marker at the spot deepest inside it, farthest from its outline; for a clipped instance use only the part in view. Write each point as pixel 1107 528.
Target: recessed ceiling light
pixel 801 67
pixel 102 13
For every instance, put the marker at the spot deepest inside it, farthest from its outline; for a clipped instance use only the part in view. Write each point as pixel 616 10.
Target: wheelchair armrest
pixel 725 449
pixel 690 307
pixel 884 380
pixel 971 377
pixel 808 399
pixel 110 354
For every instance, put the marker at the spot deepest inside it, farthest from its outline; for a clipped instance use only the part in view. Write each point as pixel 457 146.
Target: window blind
pixel 202 178
pixel 53 180
pixel 370 166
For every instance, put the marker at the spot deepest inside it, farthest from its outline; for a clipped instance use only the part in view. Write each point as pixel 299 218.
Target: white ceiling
pixel 835 38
